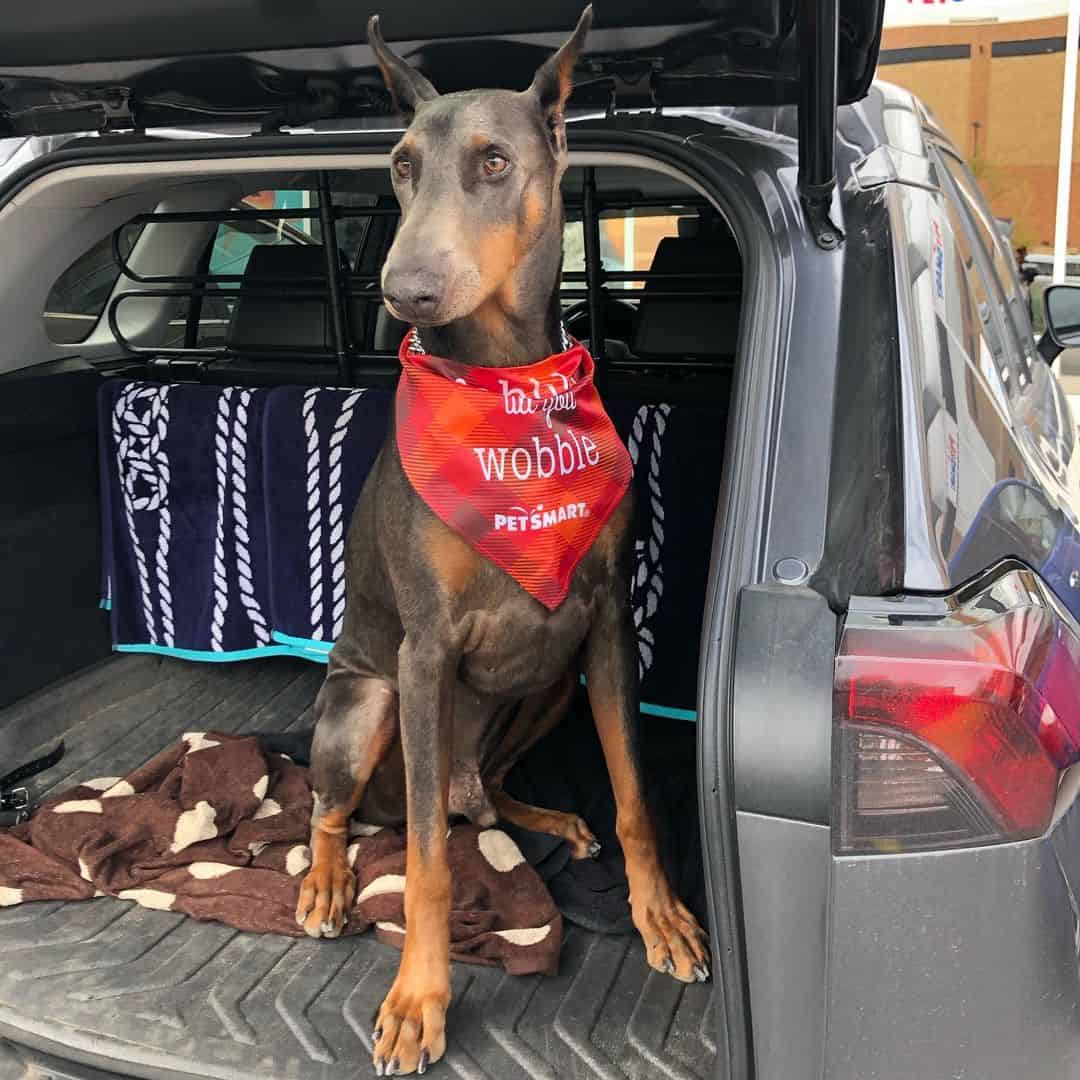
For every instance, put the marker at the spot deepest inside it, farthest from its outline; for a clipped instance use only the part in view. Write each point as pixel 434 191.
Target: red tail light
pixel 955 716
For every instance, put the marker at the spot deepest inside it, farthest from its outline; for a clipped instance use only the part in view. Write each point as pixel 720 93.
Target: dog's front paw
pixel 674 942
pixel 326 897
pixel 410 1032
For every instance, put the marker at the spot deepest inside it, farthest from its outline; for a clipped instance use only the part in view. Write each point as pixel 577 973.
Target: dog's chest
pixel 515 647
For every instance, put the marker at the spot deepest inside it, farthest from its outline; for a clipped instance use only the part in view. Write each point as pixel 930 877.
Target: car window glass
pixel 989 235
pixel 981 329
pixel 77 299
pixel 1038 401
pixel 1025 508
pixel 993 244
pixel 628 242
pixel 234 241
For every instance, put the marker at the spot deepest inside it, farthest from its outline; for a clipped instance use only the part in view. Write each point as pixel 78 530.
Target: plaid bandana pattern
pixel 522 462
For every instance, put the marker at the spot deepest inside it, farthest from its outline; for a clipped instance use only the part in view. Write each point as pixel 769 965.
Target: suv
pixel 856 594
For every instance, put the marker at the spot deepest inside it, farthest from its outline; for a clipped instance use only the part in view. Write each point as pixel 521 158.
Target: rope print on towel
pixel 185 517
pixel 140 424
pixel 326 529
pixel 644 442
pixel 231 438
pixel 647 586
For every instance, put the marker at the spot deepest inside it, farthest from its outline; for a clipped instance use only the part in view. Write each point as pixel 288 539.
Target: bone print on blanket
pixel 216 827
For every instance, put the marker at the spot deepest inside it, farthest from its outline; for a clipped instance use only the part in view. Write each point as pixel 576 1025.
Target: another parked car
pixel 858 561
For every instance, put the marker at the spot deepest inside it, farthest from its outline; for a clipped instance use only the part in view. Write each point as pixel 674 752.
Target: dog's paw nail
pixel 701 973
pixel 669 967
pixel 425 1057
pixel 594 849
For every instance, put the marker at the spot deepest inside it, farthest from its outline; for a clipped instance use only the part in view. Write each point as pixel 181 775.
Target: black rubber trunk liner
pixel 134 992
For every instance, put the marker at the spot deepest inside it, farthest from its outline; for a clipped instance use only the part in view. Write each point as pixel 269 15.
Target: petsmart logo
pixel 522 520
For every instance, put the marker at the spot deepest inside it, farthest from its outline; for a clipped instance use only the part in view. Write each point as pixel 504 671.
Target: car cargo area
pixel 240 304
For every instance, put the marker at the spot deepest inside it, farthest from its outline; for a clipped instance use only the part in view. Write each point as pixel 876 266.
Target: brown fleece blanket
pixel 217 828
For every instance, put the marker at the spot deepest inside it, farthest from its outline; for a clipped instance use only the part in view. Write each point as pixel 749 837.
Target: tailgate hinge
pixel 635 84
pixel 117 113
pixel 103 110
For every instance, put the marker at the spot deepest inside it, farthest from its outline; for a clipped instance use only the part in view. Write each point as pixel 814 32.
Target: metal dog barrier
pixel 331 287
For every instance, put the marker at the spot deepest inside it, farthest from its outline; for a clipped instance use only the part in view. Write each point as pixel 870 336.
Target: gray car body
pixel 941 964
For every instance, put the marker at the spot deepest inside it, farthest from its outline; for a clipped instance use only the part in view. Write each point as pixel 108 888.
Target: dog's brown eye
pixel 495 165
pixel 403 168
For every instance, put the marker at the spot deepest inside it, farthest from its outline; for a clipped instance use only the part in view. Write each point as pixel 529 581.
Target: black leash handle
pixel 14 800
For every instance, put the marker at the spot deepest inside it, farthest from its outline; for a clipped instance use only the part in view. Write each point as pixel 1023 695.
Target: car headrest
pixel 696 326
pixel 271 323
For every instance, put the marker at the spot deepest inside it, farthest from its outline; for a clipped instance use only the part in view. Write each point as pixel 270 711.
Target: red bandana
pixel 523 462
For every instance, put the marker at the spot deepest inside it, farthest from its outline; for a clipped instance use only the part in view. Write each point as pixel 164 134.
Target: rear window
pixel 234 241
pixel 78 298
pixel 628 242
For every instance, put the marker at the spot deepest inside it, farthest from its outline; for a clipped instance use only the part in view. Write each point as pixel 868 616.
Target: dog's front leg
pixel 410 1029
pixel 674 943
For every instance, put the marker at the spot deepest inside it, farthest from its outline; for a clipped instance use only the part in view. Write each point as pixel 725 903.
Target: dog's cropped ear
pixel 406 85
pixel 555 79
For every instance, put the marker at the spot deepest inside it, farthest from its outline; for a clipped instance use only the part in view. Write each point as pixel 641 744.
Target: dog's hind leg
pixel 355 721
pixel 569 827
pixel 530 722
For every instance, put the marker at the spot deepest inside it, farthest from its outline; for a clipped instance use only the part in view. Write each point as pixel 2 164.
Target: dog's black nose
pixel 414 295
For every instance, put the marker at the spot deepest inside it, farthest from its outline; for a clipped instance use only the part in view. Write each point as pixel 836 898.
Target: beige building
pixel 996 88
